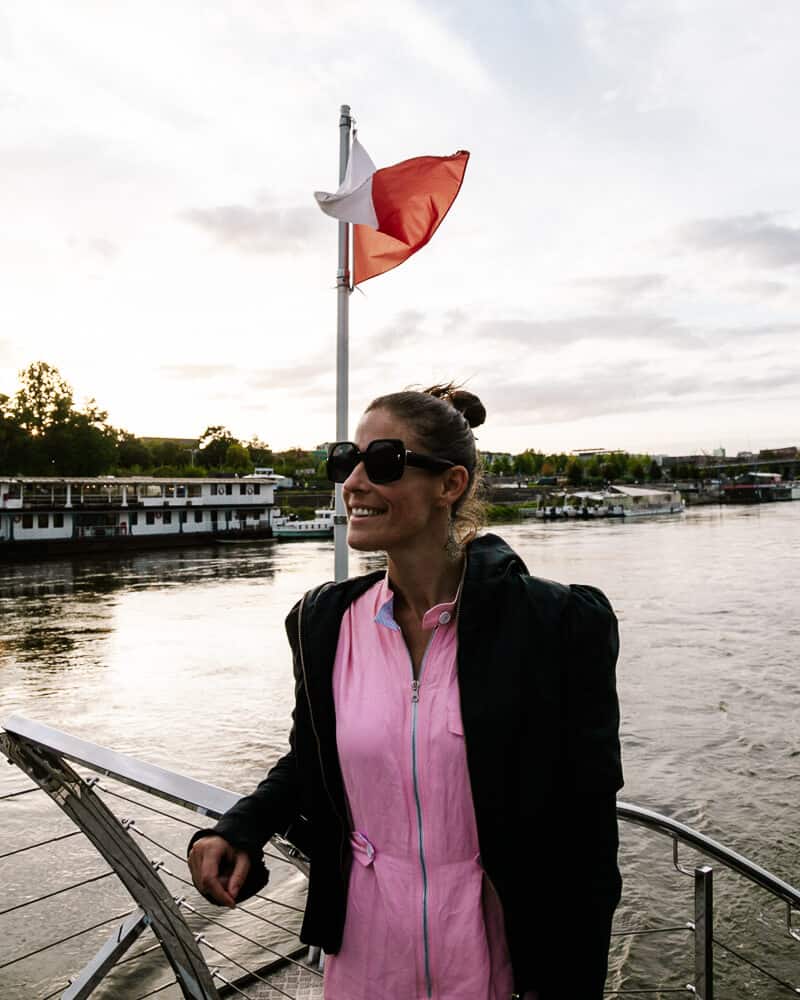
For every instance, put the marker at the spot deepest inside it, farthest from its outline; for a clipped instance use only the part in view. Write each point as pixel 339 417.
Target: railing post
pixel 704 932
pixel 114 843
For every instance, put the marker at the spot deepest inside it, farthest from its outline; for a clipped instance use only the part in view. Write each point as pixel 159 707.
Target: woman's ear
pixel 454 483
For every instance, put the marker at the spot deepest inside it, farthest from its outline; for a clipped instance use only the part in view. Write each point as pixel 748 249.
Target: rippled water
pixel 180 658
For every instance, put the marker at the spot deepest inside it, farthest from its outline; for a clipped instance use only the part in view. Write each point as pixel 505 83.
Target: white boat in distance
pixel 616 501
pixel 321 526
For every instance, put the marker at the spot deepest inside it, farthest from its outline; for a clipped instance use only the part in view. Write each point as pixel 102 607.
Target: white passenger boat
pixel 321 526
pixel 616 501
pixel 50 515
pixel 636 501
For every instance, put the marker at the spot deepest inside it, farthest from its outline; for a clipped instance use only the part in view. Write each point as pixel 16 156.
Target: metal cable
pixel 658 989
pixel 24 791
pixel 258 944
pixel 56 892
pixel 69 937
pixel 41 843
pixel 761 969
pixel 216 974
pixel 256 895
pixel 139 954
pixel 240 909
pixel 207 944
pixel 57 992
pixel 158 989
pixel 143 805
pixel 652 930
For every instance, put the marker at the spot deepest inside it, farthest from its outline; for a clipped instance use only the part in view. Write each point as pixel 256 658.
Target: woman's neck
pixel 422 580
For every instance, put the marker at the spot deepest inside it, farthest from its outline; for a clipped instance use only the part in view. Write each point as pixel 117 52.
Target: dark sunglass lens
pixel 342 460
pixel 383 461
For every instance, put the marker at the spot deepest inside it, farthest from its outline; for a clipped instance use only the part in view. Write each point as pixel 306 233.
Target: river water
pixel 180 657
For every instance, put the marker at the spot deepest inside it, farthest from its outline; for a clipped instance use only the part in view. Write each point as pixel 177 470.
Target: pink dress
pixel 423 921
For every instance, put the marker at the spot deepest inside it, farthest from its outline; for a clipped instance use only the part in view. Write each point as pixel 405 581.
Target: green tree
pixel 524 464
pixel 575 472
pixel 654 472
pixel 169 453
pixel 214 443
pixel 237 458
pixel 44 399
pixel 636 469
pixel 13 440
pixel 131 452
pixel 260 452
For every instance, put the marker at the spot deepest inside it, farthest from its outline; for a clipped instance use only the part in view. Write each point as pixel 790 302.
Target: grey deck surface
pixel 296 982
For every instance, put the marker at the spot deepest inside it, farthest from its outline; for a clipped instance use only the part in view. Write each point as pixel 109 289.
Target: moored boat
pixel 42 516
pixel 320 526
pixel 754 487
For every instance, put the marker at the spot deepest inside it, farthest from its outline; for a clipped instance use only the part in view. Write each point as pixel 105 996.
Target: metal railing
pixel 212 952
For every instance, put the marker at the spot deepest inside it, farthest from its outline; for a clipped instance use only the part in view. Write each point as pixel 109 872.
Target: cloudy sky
pixel 621 268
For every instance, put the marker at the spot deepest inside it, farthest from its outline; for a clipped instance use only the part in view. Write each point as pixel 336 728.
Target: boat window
pixel 198 517
pixel 133 518
pixel 27 520
pixel 229 489
pixel 43 521
pixel 194 490
pixel 13 491
pixel 182 516
pixel 167 517
pixel 152 490
pixel 257 489
pixel 169 490
pixel 150 517
pixel 58 520
pixel 180 490
pixel 242 490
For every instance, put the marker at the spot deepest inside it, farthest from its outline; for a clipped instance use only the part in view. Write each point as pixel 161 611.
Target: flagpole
pixel 342 349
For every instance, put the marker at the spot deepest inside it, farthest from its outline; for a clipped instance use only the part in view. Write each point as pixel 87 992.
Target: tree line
pixel 43 432
pixel 610 467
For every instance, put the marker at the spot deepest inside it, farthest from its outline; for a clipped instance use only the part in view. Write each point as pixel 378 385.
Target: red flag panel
pixel 411 199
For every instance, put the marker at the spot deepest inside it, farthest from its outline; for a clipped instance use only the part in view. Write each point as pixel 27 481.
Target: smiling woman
pixel 447 708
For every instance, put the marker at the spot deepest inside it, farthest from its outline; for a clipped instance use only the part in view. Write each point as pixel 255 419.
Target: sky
pixel 620 270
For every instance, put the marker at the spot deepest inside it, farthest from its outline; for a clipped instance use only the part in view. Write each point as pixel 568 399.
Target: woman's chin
pixel 363 543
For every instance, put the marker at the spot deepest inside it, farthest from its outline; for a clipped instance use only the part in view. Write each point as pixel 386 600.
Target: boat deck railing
pixel 145 931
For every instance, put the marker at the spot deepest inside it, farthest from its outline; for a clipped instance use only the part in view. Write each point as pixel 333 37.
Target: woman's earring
pixel 452 548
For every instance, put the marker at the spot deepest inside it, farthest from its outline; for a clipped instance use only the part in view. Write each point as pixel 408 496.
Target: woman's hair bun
pixel 467 403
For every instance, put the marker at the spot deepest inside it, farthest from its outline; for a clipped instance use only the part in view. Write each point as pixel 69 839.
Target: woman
pixel 454 754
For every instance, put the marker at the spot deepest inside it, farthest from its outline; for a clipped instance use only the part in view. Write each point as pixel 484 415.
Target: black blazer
pixel 536 670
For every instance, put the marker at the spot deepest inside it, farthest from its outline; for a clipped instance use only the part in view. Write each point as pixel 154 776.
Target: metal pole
pixel 704 932
pixel 342 348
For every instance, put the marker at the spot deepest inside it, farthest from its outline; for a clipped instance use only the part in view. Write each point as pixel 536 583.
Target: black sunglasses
pixel 384 460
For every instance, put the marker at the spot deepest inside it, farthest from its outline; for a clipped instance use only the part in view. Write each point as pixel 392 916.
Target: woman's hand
pixel 218 869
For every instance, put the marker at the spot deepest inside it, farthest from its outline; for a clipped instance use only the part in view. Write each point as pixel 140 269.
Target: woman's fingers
pixel 209 857
pixel 241 867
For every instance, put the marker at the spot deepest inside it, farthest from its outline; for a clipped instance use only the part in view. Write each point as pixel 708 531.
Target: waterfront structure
pixel 755 487
pixel 636 501
pixel 321 525
pixel 44 515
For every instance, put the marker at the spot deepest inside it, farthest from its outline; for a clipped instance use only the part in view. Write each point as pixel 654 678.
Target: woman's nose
pixel 357 480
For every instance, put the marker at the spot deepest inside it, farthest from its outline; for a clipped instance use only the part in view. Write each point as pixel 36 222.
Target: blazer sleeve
pixel 592 645
pixel 274 805
pixel 591 776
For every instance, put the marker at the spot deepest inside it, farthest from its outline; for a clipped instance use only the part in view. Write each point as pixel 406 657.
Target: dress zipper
pixel 415 685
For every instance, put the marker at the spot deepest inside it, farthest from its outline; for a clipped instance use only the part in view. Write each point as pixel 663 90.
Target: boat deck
pixel 290 981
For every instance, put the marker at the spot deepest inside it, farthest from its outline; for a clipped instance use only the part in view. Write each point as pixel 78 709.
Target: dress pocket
pixel 455 724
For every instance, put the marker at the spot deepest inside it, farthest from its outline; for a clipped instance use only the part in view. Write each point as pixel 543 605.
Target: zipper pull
pixel 415 690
